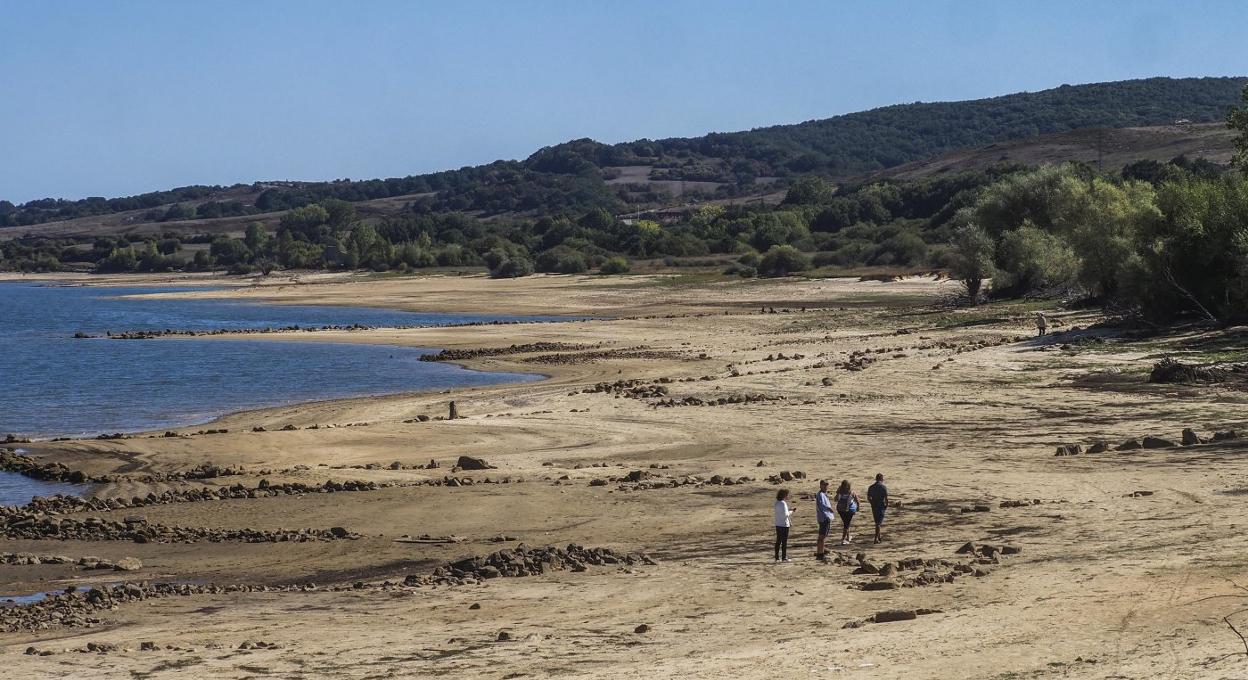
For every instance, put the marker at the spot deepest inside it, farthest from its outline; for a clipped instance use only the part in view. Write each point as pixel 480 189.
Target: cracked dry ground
pixel 958 412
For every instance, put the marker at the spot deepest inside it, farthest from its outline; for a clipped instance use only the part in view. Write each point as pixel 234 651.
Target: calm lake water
pixel 54 385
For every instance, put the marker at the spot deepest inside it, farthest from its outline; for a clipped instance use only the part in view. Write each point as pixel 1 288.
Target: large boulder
pixel 470 463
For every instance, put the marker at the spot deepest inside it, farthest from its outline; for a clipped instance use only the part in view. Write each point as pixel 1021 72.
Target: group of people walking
pixel 844 504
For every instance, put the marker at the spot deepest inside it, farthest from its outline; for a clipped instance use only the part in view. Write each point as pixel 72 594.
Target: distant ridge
pixel 583 174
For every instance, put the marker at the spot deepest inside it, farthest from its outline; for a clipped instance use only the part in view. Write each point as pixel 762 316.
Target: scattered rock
pixel 895 615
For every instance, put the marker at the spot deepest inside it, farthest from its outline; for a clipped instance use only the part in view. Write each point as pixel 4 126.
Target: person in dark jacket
pixel 877 496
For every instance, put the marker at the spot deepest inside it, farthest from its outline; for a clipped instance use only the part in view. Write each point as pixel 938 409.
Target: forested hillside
pixel 583 174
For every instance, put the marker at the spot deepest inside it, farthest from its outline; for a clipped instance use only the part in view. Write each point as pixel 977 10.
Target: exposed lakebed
pixel 52 384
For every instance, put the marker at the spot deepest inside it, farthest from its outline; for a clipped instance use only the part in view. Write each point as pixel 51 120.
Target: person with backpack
pixel 877 496
pixel 846 505
pixel 783 515
pixel 823 513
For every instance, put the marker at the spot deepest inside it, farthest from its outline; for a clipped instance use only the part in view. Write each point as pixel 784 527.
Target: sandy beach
pixel 1117 564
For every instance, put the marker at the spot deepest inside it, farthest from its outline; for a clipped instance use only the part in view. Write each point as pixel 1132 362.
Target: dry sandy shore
pixel 1108 583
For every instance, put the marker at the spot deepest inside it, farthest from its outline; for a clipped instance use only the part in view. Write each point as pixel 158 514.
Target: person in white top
pixel 783 513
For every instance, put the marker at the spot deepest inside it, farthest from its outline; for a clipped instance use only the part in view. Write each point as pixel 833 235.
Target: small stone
pixel 128 564
pixel 643 628
pixel 503 636
pixel 475 605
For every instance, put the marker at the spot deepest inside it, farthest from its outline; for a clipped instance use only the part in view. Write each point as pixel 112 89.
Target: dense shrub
pixel 614 265
pixel 782 261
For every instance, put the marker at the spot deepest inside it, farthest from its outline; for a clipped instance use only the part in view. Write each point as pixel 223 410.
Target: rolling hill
pixel 903 140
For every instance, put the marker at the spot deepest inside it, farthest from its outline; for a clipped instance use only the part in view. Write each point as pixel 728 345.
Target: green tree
pixel 809 190
pixel 972 263
pixel 1196 256
pixel 1033 261
pixel 256 238
pixel 229 251
pixel 309 222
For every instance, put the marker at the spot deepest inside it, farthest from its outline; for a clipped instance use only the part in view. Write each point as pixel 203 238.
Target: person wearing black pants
pixel 783 515
pixel 846 505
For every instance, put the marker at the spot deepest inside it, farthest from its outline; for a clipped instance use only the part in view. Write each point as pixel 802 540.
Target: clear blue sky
pixel 115 98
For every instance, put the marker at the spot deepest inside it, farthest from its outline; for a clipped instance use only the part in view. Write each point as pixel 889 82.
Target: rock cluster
pixel 642 480
pixel 464 354
pixel 12 461
pixel 720 401
pixel 781 357
pixel 785 476
pixel 23 524
pixel 587 357
pixel 525 561
pixel 67 503
pixel 632 389
pixel 1189 437
pixel 147 335
pixel 77 608
pixel 123 564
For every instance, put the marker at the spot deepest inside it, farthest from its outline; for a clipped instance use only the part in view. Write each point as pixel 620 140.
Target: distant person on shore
pixel 823 513
pixel 783 515
pixel 846 505
pixel 877 496
pixel 1042 324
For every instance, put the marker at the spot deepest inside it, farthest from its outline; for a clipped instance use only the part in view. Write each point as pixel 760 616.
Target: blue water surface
pixel 54 385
